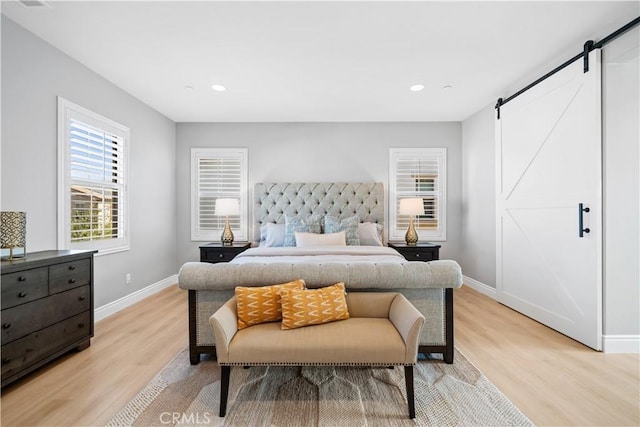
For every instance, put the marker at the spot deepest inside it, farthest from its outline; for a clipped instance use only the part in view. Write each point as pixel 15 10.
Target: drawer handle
pixel 6 325
pixel 417 255
pixel 82 298
pixel 72 281
pixel 81 325
pixel 221 256
pixel 22 279
pixel 5 360
pixel 72 267
pixel 22 294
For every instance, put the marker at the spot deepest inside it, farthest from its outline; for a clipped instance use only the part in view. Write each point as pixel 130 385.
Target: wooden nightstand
pixel 420 252
pixel 216 252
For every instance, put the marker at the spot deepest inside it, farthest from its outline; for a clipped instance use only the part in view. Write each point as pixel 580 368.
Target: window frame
pixel 241 233
pixel 440 193
pixel 68 111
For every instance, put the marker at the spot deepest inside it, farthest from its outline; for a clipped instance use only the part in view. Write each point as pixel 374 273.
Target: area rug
pixel 446 395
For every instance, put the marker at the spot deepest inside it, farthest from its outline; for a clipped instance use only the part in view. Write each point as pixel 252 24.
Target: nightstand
pixel 216 252
pixel 420 252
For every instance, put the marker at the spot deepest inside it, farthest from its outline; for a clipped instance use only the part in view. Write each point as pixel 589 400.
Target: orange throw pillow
pixel 261 304
pixel 313 306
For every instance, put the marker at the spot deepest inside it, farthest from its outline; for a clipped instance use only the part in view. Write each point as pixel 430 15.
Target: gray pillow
pixel 271 235
pixel 370 234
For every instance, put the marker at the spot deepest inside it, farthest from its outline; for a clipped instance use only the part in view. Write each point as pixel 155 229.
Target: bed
pixel 286 211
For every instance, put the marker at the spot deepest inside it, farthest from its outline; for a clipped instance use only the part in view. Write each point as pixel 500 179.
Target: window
pixel 218 173
pixel 92 180
pixel 418 172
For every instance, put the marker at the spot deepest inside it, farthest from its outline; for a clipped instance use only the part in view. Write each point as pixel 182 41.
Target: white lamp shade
pixel 412 206
pixel 227 207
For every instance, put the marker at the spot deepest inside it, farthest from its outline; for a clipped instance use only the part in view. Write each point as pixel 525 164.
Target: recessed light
pixel 218 88
pixel 416 88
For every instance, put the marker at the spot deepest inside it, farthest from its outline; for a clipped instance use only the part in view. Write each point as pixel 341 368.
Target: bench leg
pixel 408 380
pixel 224 389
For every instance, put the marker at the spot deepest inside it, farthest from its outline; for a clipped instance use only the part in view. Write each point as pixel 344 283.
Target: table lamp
pixel 13 234
pixel 226 207
pixel 411 207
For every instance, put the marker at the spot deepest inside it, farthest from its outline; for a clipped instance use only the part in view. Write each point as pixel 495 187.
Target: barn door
pixel 549 224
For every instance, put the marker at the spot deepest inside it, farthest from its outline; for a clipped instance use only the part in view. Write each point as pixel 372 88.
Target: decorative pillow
pixel 272 234
pixel 370 234
pixel 348 225
pixel 313 306
pixel 307 224
pixel 313 239
pixel 261 304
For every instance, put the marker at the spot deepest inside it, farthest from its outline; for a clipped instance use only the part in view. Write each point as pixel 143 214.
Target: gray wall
pixel 33 74
pixel 478 254
pixel 621 188
pixel 318 152
pixel 621 130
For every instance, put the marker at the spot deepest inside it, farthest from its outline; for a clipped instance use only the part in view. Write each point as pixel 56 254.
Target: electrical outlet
pixel 128 278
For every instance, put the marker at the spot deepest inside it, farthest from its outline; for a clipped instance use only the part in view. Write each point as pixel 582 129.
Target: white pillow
pixel 315 239
pixel 272 234
pixel 370 234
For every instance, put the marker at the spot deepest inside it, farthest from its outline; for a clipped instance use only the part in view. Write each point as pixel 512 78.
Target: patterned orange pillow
pixel 261 304
pixel 313 306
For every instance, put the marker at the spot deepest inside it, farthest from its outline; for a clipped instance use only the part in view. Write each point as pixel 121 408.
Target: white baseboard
pixel 480 287
pixel 610 343
pixel 621 343
pixel 128 300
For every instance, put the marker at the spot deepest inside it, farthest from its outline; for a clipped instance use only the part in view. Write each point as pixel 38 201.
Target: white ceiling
pixel 321 61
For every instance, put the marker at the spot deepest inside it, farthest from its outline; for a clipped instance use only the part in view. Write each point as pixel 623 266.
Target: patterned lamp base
pixel 227 235
pixel 411 237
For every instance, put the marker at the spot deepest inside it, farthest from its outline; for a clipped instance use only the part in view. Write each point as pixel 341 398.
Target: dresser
pixel 47 309
pixel 419 252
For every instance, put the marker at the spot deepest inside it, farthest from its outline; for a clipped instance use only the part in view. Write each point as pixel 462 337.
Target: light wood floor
pixel 552 379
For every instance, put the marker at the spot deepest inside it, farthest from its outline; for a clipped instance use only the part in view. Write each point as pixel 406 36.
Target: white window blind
pixel 92 182
pixel 218 173
pixel 418 172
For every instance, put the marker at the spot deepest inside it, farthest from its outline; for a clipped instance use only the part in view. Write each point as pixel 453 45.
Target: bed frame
pixel 344 199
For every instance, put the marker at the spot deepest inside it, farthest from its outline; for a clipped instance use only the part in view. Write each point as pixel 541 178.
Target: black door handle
pixel 581 211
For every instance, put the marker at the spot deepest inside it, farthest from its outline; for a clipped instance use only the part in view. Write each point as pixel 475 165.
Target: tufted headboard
pixel 341 199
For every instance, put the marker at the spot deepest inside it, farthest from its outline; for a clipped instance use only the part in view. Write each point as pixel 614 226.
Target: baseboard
pixel 480 287
pixel 621 343
pixel 128 300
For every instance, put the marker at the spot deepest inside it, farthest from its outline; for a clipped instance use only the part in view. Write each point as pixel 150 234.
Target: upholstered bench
pixel 383 329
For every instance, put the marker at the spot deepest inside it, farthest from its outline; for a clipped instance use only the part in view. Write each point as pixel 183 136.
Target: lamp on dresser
pixel 13 233
pixel 412 207
pixel 226 207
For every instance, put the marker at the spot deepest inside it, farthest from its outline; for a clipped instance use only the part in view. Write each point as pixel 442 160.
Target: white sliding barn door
pixel 548 148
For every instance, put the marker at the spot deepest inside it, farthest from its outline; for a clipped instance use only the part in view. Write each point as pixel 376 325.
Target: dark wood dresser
pixel 47 309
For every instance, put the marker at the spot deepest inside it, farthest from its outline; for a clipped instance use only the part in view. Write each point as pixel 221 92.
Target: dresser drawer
pixel 69 275
pixel 24 286
pixel 27 318
pixel 214 257
pixel 28 350
pixel 419 255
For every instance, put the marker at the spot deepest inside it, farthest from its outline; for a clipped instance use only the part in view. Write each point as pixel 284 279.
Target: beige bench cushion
pixel 355 341
pixel 366 338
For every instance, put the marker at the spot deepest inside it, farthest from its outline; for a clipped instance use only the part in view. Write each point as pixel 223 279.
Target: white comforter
pixel 319 254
